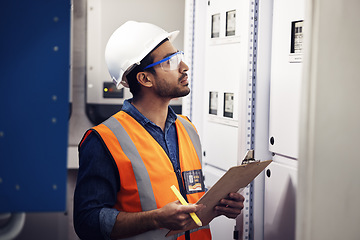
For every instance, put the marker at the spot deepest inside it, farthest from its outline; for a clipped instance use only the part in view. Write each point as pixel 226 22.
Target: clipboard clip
pixel 249 157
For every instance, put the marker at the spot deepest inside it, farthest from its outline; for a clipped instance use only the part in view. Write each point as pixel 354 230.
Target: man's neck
pixel 156 110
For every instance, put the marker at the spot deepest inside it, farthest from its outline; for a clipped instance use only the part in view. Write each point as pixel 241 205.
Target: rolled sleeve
pixel 107 218
pixel 96 191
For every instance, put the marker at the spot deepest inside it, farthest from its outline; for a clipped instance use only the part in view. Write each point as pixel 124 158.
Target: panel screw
pixel 56 48
pixel 53 120
pixel 54 97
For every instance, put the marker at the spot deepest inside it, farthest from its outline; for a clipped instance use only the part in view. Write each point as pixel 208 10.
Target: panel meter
pixel 296 37
pixel 230 23
pixel 228 105
pixel 296 42
pixel 213 103
pixel 215 25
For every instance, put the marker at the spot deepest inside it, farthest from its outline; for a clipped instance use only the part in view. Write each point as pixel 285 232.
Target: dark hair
pixel 134 85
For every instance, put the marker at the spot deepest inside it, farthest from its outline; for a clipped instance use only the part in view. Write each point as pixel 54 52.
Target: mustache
pixel 183 76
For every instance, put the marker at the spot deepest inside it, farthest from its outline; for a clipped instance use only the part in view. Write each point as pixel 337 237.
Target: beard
pixel 168 90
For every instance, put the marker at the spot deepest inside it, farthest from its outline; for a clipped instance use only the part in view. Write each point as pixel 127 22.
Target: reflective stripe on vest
pixel 193 136
pixel 147 198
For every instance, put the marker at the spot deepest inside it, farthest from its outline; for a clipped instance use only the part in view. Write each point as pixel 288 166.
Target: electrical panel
pixel 222 82
pixel 286 67
pixel 284 117
pixel 280 201
pixel 225 117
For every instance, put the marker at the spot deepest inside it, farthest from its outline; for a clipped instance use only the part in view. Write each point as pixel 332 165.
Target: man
pixel 129 162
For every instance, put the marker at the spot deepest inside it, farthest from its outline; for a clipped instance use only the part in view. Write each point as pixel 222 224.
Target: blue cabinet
pixel 34 104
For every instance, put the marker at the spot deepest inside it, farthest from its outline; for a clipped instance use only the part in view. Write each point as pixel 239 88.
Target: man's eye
pixel 173 60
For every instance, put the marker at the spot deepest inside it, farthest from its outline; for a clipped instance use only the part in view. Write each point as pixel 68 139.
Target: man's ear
pixel 144 79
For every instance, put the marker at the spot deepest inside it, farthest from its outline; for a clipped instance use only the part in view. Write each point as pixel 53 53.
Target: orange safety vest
pixel 146 172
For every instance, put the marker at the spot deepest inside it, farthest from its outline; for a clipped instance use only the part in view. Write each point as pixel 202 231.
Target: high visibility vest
pixel 146 172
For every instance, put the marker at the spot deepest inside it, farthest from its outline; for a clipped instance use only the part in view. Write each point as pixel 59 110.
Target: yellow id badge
pixel 193 181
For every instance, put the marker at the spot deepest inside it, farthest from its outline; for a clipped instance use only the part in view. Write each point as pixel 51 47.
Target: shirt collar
pixel 138 116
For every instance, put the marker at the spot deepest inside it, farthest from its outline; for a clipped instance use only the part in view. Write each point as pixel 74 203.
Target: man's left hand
pixel 231 206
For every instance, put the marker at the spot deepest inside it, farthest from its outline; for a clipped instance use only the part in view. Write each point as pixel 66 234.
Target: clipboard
pixel 232 181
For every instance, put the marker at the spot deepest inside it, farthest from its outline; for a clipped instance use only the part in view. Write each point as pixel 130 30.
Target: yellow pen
pixel 183 202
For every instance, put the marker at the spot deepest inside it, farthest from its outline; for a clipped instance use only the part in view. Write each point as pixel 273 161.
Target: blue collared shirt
pixel 98 177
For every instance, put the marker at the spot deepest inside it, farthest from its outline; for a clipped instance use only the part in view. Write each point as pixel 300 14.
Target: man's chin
pixel 183 93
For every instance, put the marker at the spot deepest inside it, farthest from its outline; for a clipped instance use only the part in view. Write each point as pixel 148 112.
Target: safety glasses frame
pixel 166 59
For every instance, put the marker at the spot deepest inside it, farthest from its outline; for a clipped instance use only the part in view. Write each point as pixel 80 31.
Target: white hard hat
pixel 129 44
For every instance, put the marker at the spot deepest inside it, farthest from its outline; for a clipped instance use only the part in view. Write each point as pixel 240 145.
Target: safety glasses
pixel 169 63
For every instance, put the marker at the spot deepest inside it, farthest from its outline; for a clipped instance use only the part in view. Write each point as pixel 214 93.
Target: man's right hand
pixel 175 216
